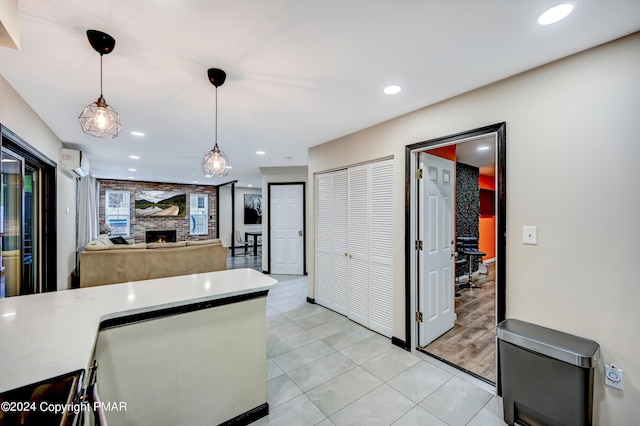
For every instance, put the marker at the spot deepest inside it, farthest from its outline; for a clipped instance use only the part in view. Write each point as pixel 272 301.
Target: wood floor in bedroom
pixel 471 343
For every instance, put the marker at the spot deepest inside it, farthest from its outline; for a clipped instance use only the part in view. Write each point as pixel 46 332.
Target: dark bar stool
pixel 468 246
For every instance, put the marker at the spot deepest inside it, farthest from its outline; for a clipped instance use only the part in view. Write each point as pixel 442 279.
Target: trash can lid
pixel 552 343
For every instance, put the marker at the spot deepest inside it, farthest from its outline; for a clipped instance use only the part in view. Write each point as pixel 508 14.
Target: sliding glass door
pixel 20 226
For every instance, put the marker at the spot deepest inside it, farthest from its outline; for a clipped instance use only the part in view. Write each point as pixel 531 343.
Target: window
pixel 198 212
pixel 116 212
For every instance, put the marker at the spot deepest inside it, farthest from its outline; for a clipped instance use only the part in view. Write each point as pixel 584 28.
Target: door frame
pixel 500 132
pixel 304 223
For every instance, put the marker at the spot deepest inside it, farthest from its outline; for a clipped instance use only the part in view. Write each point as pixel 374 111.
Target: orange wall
pixel 487 240
pixel 487 182
pixel 448 152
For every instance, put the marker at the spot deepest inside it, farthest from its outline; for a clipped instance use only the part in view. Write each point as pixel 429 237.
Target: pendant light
pixel 215 162
pixel 99 119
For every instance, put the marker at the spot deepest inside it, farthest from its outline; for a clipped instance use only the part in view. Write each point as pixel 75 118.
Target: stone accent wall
pixel 139 225
pixel 468 203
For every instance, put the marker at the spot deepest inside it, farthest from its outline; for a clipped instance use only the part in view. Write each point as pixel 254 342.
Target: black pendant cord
pixel 216 129
pixel 101 75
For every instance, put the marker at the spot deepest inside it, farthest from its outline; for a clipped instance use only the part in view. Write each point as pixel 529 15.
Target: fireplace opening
pixel 167 236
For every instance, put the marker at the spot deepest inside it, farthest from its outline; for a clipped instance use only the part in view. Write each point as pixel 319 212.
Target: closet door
pixel 381 247
pixel 340 259
pixel 323 223
pixel 358 237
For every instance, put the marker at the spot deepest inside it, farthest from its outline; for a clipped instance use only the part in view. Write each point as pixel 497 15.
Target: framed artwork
pixel 161 203
pixel 252 209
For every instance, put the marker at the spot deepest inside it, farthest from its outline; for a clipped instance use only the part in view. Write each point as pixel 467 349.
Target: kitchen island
pixel 189 346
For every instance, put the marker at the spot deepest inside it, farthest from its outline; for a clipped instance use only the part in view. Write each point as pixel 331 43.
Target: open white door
pixel 287 229
pixel 436 277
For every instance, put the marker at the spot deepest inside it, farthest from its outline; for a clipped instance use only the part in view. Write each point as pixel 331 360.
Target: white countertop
pixel 49 334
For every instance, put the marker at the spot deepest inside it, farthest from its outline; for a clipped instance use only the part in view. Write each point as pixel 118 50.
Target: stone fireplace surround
pixel 161 236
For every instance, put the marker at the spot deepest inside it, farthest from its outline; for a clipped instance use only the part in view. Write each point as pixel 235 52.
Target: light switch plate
pixel 530 235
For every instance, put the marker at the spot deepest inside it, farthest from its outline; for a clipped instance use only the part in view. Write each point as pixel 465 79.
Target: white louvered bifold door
pixel 381 247
pixel 340 259
pixel 359 244
pixel 323 244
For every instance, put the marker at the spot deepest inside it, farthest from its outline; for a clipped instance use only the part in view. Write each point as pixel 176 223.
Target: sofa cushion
pixel 166 245
pixel 203 242
pixel 96 247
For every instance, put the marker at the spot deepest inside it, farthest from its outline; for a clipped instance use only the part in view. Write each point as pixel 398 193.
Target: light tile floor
pixel 323 369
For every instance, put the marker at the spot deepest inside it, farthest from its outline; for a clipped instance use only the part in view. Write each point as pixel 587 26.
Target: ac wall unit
pixel 73 163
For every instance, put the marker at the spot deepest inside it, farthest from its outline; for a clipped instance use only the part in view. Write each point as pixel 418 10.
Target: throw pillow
pixel 118 240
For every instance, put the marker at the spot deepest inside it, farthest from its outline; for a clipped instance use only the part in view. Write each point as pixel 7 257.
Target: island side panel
pixel 201 367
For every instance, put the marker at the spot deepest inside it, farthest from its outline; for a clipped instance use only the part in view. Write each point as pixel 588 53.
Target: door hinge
pixel 419 245
pixel 419 317
pixel 418 173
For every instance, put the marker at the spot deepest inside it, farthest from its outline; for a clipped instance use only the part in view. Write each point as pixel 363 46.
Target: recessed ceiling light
pixel 132 170
pixel 208 175
pixel 229 167
pixel 134 133
pixel 392 90
pixel 287 158
pixel 195 181
pixel 134 157
pixel 129 177
pixel 483 148
pixel 8 314
pixel 260 152
pixel 555 14
pixel 249 185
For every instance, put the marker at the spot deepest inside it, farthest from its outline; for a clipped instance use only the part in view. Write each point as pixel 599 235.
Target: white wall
pixel 293 174
pixel 225 213
pixel 17 116
pixel 572 170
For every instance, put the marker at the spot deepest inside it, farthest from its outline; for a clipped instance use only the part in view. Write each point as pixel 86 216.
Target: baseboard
pixel 399 342
pixel 249 416
pixel 266 272
pixel 311 300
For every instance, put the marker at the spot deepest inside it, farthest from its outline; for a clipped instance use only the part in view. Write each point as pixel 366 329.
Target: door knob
pixel 299 233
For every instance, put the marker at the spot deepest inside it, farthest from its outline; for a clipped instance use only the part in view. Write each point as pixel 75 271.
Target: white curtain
pixel 89 200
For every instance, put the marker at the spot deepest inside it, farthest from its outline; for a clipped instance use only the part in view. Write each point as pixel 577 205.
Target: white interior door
pixel 323 244
pixel 436 278
pixel 381 247
pixel 339 231
pixel 359 244
pixel 287 229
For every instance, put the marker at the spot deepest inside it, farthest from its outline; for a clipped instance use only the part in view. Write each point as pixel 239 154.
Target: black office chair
pixel 468 247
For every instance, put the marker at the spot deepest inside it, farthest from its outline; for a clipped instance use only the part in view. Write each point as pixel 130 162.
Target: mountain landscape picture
pixel 161 203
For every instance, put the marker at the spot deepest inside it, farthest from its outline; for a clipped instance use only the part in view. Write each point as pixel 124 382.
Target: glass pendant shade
pixel 215 163
pixel 100 120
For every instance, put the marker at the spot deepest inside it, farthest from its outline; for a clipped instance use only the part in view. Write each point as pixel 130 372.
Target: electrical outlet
pixel 613 376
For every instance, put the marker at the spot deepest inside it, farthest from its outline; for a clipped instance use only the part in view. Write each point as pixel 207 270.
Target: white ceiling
pixel 300 72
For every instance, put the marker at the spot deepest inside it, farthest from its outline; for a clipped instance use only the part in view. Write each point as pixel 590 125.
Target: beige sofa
pixel 102 262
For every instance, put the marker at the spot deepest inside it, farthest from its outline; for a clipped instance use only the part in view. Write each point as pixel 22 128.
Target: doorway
pixel 286 228
pixel 456 267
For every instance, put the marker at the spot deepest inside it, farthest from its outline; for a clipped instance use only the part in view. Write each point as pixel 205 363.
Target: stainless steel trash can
pixel 547 375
